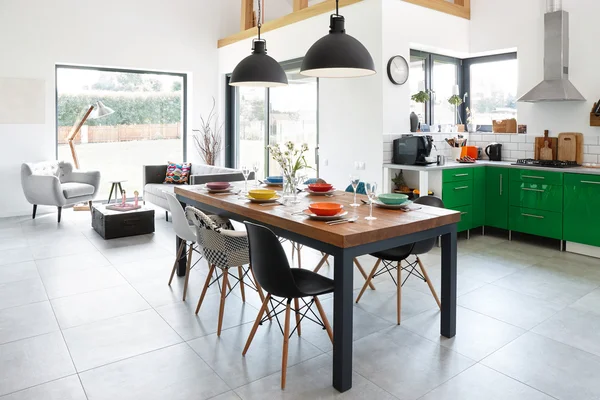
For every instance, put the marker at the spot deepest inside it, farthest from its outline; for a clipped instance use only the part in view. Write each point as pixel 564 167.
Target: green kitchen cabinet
pixel 496 197
pixel 466 218
pixel 479 194
pixel 457 193
pixel 536 222
pixel 536 195
pixel 457 174
pixel 581 209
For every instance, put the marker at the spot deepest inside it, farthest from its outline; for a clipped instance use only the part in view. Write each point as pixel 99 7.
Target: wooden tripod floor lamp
pixel 95 111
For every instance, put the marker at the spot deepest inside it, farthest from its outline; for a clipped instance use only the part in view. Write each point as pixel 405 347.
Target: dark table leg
pixel 112 187
pixel 182 260
pixel 342 321
pixel 448 323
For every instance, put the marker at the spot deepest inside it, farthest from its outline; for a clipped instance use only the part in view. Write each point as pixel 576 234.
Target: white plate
pixel 271 200
pixel 273 184
pixel 219 190
pixel 379 204
pixel 312 193
pixel 325 218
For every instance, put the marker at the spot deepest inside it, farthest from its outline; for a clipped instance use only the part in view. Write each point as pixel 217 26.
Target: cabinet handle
pixel 532 177
pixel 501 176
pixel 463 213
pixel 461 187
pixel 461 175
pixel 533 216
pixel 533 190
pixel 591 182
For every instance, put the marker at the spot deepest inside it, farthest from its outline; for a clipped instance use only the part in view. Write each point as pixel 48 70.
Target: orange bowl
pixel 325 209
pixel 320 187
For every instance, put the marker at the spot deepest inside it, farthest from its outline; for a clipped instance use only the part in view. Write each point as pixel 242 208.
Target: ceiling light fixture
pixel 337 55
pixel 258 69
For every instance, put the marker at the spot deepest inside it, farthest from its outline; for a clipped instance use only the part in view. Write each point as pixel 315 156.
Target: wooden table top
pixel 389 223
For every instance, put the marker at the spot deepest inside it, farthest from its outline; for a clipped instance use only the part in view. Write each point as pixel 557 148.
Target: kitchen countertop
pixel 482 163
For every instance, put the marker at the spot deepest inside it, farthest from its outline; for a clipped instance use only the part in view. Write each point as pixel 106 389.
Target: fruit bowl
pixel 218 185
pixel 392 199
pixel 320 187
pixel 261 194
pixel 325 209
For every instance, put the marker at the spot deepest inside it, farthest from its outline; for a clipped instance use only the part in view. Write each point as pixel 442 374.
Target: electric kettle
pixel 494 151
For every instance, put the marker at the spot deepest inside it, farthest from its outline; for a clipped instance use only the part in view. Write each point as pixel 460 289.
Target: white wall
pixel 350 114
pixel 174 36
pixel 519 24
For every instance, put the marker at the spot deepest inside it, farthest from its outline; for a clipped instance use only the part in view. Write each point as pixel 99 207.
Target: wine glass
pixel 255 168
pixel 246 173
pixel 354 181
pixel 371 189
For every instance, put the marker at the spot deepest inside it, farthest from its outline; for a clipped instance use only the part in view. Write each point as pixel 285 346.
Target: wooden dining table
pixel 344 242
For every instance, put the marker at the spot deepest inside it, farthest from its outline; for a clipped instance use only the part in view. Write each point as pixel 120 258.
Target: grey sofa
pixel 57 184
pixel 154 177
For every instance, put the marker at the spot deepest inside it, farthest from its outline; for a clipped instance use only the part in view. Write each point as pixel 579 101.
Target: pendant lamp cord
pixel 337 7
pixel 259 22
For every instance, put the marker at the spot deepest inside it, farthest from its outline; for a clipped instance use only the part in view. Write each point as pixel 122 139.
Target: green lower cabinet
pixel 496 197
pixel 457 193
pixel 536 222
pixel 582 209
pixel 479 193
pixel 539 196
pixel 466 218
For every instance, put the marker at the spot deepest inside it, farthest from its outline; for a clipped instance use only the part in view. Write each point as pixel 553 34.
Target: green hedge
pixel 130 108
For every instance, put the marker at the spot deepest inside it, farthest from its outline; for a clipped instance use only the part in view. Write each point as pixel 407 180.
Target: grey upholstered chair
pixel 57 184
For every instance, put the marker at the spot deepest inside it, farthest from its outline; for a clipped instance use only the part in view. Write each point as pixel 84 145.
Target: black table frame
pixel 343 300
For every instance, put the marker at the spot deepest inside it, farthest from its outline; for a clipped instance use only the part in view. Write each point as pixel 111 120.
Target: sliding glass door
pixel 291 112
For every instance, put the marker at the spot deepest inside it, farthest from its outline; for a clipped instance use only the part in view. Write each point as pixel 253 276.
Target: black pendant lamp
pixel 258 69
pixel 337 55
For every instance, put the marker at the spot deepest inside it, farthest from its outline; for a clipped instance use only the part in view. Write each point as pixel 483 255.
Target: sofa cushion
pixel 157 189
pixel 47 168
pixel 178 173
pixel 73 189
pixel 203 169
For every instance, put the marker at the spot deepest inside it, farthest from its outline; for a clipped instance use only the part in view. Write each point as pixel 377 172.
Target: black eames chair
pixel 392 260
pixel 274 275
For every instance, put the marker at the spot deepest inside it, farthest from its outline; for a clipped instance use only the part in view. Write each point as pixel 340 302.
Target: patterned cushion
pixel 178 173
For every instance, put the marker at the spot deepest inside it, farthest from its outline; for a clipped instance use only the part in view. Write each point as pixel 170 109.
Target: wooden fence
pixel 123 133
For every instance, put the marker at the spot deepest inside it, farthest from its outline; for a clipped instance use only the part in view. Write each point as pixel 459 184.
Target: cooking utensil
pixel 342 221
pixel 539 144
pixel 567 146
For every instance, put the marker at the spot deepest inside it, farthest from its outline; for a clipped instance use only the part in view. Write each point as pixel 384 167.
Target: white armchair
pixel 57 184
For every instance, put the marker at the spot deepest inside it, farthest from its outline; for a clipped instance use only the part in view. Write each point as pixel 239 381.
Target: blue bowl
pixel 275 179
pixel 393 199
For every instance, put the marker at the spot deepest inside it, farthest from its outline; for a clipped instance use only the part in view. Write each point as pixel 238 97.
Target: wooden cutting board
pixel 546 152
pixel 567 146
pixel 552 143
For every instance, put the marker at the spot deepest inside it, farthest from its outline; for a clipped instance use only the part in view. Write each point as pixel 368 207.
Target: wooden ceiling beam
pixel 300 5
pixel 247 15
pixel 459 10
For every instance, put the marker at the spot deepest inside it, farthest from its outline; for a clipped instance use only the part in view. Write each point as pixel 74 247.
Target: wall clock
pixel 398 70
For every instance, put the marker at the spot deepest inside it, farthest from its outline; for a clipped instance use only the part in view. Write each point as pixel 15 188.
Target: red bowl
pixel 320 187
pixel 325 209
pixel 218 185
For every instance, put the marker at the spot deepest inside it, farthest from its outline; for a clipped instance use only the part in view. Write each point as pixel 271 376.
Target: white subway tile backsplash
pixel 510 146
pixel 529 154
pixel 518 138
pixel 590 158
pixel 526 146
pixel 475 137
pixel 594 149
pixel 516 154
pixel 591 140
pixel 530 138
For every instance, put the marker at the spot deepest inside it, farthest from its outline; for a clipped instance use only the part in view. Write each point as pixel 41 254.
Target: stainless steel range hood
pixel 556 85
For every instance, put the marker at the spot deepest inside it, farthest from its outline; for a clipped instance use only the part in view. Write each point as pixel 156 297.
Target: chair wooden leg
pixel 399 292
pixel 320 264
pixel 188 267
pixel 326 260
pixel 368 279
pixel 223 295
pixel 263 309
pixel 298 316
pixel 260 292
pixel 206 284
pixel 363 273
pixel 176 261
pixel 241 274
pixel 286 339
pixel 324 318
pixel 424 272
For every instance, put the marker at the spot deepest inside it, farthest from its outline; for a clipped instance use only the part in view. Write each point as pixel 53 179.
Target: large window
pixel 146 127
pixel 439 75
pixel 492 86
pixel 291 112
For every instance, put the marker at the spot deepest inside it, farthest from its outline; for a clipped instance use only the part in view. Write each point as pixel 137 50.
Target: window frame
pixel 184 88
pixel 232 119
pixel 466 74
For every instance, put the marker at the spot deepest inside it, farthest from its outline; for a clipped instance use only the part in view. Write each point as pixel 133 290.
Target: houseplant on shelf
pixel 209 139
pixel 421 97
pixel 292 161
pixel 456 101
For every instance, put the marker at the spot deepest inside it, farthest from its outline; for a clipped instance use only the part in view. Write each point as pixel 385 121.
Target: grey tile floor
pixel 84 318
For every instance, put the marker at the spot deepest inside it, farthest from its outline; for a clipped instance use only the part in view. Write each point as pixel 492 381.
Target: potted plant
pixel 456 101
pixel 421 97
pixel 208 139
pixel 292 161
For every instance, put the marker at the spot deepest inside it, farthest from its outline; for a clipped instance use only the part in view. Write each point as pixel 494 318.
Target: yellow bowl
pixel 262 194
